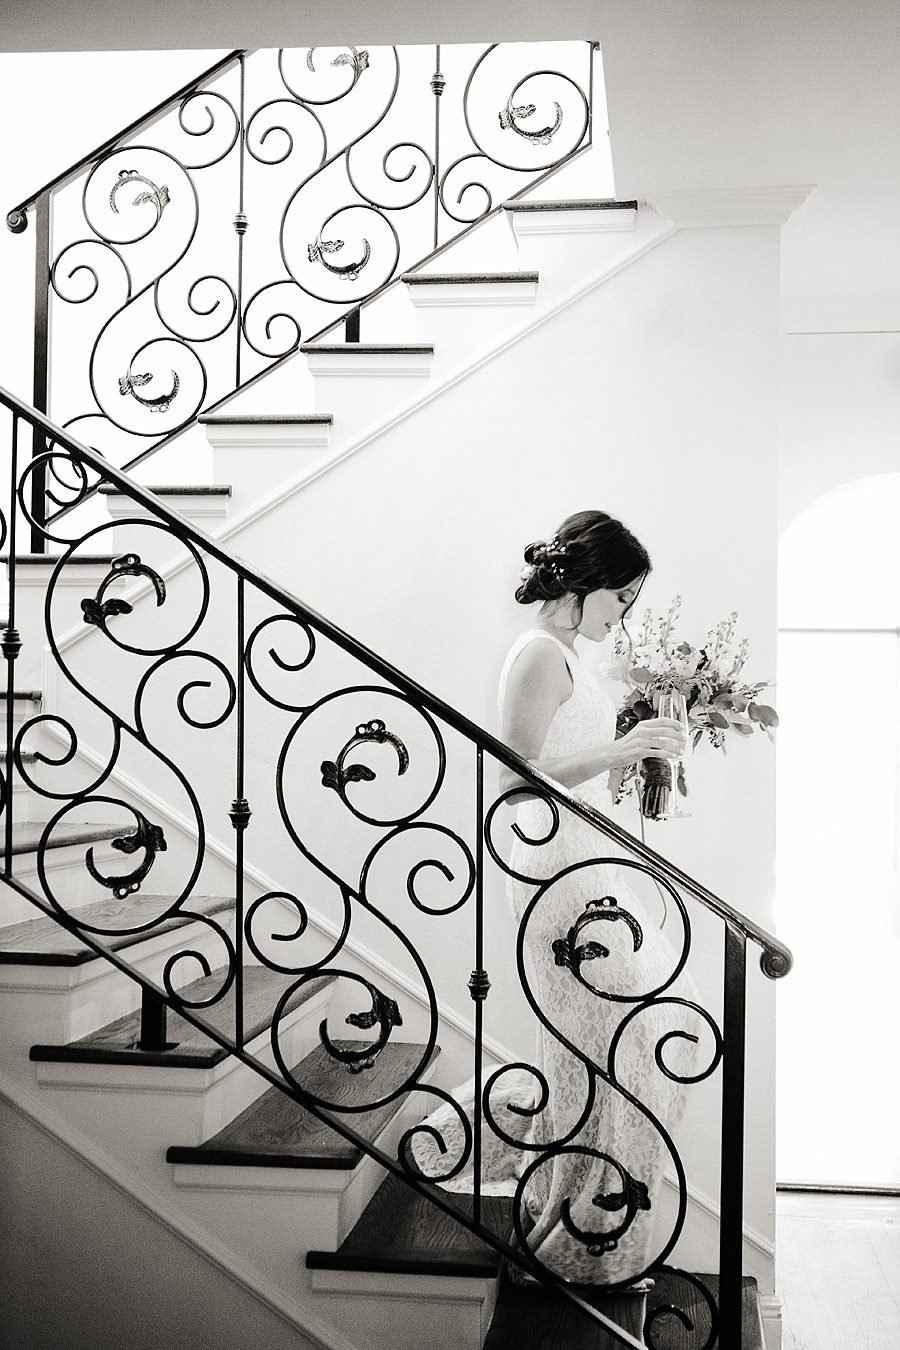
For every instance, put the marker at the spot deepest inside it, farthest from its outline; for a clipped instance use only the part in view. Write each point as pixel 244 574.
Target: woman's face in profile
pixel 604 609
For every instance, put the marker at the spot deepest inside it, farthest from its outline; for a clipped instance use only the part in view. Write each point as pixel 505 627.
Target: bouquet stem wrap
pixel 657 788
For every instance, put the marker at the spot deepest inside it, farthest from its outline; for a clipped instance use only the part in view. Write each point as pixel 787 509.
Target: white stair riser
pixel 361 389
pixel 56 1004
pixel 409 1312
pixel 564 246
pixel 333 1199
pixel 461 318
pixel 258 459
pixel 174 1105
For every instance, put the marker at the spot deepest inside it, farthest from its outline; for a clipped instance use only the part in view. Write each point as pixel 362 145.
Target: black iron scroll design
pixel 192 695
pixel 159 312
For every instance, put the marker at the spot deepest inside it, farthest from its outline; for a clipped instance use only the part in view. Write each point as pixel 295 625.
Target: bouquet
pixel 719 703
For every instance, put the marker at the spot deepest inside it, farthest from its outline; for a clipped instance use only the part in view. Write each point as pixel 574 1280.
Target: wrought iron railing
pixel 269 200
pixel 229 699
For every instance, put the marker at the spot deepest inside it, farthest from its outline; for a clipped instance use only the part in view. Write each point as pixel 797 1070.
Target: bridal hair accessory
pixel 547 555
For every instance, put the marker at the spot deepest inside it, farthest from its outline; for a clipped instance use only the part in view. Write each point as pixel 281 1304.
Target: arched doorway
pixel 838 855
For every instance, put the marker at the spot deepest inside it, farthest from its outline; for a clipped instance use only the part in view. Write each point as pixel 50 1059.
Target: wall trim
pixel 752 1236
pixel 62 1132
pixel 770 1308
pixel 695 208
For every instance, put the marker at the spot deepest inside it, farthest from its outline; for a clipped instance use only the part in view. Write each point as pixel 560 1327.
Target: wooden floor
pixel 838 1271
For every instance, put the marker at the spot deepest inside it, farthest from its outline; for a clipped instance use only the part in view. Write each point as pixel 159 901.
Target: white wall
pixel 85 1267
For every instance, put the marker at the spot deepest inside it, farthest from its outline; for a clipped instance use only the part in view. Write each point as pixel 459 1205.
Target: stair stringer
pixel 258 1312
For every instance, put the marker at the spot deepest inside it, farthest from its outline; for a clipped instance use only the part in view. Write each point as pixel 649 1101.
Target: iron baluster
pixel 479 984
pixel 41 364
pixel 153 1021
pixel 438 85
pixel 11 642
pixel 240 226
pixel 352 325
pixel 240 819
pixel 732 1179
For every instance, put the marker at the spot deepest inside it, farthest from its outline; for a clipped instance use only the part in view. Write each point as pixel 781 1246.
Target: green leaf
pixel 717 720
pixel 641 675
pixel 768 716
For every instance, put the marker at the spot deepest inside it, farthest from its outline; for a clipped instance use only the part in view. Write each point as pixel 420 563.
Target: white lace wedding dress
pixel 593 952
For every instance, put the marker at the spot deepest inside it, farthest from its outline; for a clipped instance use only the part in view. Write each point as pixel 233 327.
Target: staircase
pixel 200 1002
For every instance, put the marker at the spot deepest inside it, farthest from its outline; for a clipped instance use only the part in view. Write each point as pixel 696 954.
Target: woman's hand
pixel 655 737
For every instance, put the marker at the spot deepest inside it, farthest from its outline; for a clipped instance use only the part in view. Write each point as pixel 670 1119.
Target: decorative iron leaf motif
pixel 358 60
pixel 510 114
pixel 633 1196
pixel 148 837
pixel 384 1013
pixel 129 383
pixel 337 776
pixel 96 611
pixel 157 194
pixel 567 951
pixel 317 251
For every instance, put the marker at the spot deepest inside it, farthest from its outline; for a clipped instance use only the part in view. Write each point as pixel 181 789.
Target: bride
pixel 586 1160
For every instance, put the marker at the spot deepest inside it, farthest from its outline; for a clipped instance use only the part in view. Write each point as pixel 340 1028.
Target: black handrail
pixel 17 220
pixel 775 960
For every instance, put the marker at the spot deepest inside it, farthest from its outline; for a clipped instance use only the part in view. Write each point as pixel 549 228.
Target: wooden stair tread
pixel 571 204
pixel 27 835
pixel 27 695
pixel 172 490
pixel 368 348
pixel 668 1288
pixel 116 1043
pixel 276 1131
pixel 265 419
pixel 528 1318
pixel 42 941
pixel 465 278
pixel 401 1231
pixel 51 559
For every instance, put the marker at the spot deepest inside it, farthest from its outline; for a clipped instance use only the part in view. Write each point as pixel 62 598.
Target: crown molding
pixel 703 208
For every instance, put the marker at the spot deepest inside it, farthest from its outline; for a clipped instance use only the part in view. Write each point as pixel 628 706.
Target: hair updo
pixel 590 551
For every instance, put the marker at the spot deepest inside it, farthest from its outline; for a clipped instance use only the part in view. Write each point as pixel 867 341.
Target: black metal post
pixel 438 85
pixel 351 325
pixel 11 644
pixel 479 984
pixel 240 226
pixel 732 1179
pixel 153 1021
pixel 240 818
pixel 41 363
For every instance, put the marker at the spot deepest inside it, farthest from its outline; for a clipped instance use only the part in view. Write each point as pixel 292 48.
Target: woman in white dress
pixel 585 1160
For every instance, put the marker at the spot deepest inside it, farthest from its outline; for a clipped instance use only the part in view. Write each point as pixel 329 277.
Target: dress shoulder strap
pixel 521 642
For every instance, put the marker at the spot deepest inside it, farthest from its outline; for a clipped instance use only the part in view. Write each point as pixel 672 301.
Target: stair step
pixel 116 1043
pixel 468 278
pixel 402 1232
pixel 366 349
pixel 51 559
pixel 539 1319
pixel 276 1131
pixel 266 420
pixel 24 695
pixel 570 204
pixel 669 1290
pixel 176 490
pixel 43 942
pixel 27 835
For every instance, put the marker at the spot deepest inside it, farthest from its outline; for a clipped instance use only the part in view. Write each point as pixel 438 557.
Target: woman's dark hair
pixel 590 551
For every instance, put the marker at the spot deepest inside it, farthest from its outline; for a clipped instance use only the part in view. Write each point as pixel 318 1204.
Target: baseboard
pixel 770 1312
